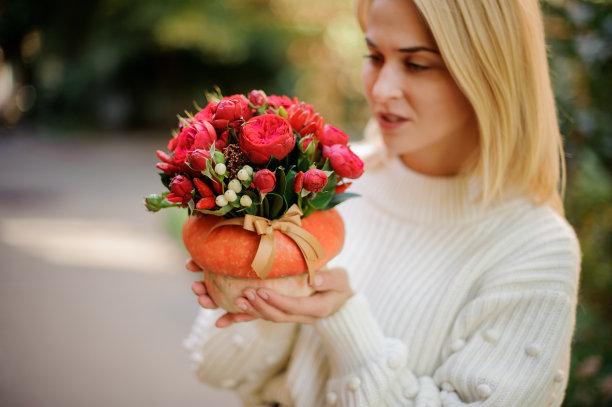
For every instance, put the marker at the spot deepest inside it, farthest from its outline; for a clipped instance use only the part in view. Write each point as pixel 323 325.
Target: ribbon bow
pixel 291 225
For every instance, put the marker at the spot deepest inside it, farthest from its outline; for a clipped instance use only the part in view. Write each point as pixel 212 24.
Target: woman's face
pixel 423 115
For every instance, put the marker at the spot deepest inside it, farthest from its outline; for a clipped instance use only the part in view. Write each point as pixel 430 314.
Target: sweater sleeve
pixel 242 357
pixel 508 346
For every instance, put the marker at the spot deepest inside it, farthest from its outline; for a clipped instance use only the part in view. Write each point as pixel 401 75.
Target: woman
pixel 462 273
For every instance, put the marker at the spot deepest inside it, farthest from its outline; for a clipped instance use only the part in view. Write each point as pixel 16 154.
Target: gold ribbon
pixel 291 225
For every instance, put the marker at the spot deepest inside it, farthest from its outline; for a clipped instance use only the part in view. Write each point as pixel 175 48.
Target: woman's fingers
pixel 229 319
pixel 192 266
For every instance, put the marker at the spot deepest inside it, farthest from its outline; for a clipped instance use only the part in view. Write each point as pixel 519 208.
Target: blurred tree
pixel 118 64
pixel 580 35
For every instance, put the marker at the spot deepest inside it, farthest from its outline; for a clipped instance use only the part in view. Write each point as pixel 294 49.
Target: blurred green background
pixel 104 68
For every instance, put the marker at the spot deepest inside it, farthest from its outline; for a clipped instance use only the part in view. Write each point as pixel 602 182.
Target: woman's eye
pixel 416 67
pixel 373 57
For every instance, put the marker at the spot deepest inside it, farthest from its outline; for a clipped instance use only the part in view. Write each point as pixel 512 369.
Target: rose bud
pixel 343 161
pixel 246 200
pixel 181 188
pixel 340 188
pixel 332 135
pixel 228 114
pixel 314 180
pixel 197 159
pixel 202 188
pixel 220 200
pixel 220 169
pixel 265 136
pixel 206 203
pixel 217 186
pixel 257 98
pixel 264 181
pixel 153 202
pixel 169 169
pixel 235 186
pixel 298 182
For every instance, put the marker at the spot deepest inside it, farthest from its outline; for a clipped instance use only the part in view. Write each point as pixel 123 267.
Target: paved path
pixel 94 299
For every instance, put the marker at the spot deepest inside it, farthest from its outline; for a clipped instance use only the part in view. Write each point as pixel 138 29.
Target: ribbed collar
pixel 409 195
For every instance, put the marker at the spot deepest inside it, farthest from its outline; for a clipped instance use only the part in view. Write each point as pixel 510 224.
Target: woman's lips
pixel 390 121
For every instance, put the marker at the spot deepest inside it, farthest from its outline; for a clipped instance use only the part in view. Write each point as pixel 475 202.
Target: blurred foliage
pixel 115 64
pixel 580 37
pixel 129 65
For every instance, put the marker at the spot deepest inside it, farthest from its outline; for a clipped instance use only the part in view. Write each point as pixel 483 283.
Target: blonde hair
pixel 496 52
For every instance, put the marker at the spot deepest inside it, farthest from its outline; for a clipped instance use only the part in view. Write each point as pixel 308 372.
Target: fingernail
pixel 318 280
pixel 250 295
pixel 242 305
pixel 262 294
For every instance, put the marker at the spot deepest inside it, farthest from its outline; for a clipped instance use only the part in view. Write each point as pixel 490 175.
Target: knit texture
pixel 455 305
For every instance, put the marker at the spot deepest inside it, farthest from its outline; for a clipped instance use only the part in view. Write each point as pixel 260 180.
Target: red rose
pixel 257 98
pixel 197 159
pixel 332 135
pixel 231 111
pixel 181 188
pixel 207 113
pixel 265 136
pixel 221 142
pixel 314 180
pixel 264 181
pixel 298 182
pixel 343 161
pixel 281 101
pixel 198 135
pixel 304 120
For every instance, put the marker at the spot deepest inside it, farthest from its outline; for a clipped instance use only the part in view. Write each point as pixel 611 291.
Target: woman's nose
pixel 387 85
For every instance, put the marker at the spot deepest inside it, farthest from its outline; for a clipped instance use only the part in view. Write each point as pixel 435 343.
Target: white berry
pixel 243 175
pixel 220 200
pixel 235 185
pixel 220 169
pixel 246 200
pixel 230 195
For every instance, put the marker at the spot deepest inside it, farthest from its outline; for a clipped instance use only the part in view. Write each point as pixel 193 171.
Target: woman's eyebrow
pixel 407 50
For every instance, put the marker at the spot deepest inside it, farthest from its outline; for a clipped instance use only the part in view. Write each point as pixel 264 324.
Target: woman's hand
pixel 332 290
pixel 199 289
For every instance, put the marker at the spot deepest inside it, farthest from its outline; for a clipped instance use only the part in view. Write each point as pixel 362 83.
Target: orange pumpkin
pixel 226 253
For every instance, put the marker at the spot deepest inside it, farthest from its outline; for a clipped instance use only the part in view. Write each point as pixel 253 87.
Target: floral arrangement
pixel 255 154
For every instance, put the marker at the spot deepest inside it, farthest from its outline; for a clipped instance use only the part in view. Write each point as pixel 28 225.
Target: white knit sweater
pixel 454 305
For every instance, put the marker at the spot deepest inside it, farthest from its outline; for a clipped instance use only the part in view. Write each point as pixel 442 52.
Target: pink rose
pixel 314 180
pixel 264 181
pixel 332 135
pixel 181 188
pixel 257 98
pixel 265 136
pixel 343 161
pixel 298 182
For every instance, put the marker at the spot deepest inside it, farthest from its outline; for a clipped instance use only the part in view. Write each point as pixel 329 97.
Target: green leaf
pixel 290 195
pixel 219 212
pixel 276 206
pixel 280 181
pixel 327 166
pixel 339 198
pixel 165 179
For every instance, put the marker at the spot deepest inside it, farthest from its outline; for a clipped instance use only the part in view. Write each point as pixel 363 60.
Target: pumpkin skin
pixel 226 255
